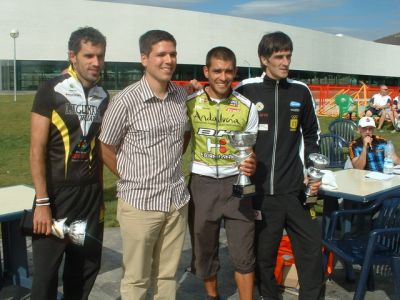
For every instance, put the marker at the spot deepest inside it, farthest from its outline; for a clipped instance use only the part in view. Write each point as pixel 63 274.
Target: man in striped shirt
pixel 142 139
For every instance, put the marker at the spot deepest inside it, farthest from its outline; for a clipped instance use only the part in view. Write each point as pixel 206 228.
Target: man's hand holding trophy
pixel 318 162
pixel 243 141
pixel 76 231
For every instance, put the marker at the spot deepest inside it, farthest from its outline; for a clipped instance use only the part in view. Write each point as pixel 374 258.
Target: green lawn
pixel 14 146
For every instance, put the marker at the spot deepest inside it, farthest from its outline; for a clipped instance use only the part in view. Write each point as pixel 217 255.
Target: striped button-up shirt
pixel 148 134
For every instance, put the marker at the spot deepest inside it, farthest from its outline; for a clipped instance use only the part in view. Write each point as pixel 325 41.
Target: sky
pixel 363 19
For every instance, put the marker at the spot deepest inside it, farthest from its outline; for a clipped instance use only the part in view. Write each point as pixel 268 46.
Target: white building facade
pixel 45 26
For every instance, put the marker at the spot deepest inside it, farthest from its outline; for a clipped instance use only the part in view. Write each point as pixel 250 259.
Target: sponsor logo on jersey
pixel 295 109
pixel 234 103
pixel 95 97
pixel 209 118
pixel 220 145
pixel 294 104
pixel 71 94
pixel 81 150
pixel 212 132
pixel 202 99
pixel 259 106
pixel 84 112
pixel 218 156
pixel 233 109
pixel 263 127
pixel 294 121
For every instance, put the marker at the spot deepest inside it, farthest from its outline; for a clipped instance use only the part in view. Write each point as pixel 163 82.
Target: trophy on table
pixel 318 162
pixel 242 141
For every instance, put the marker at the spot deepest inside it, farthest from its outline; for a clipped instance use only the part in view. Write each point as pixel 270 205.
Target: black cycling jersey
pixel 75 114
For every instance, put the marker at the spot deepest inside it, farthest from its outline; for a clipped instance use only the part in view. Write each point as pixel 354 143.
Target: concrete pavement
pixel 190 288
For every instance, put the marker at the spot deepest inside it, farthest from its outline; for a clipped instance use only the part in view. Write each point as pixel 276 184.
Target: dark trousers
pixel 286 211
pixel 82 263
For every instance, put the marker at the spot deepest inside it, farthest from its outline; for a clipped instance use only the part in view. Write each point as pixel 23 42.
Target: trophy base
pixel 311 200
pixel 243 191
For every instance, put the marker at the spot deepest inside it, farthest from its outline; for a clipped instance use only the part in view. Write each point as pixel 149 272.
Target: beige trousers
pixel 152 243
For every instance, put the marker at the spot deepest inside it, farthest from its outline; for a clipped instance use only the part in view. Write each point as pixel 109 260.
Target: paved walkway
pixel 190 288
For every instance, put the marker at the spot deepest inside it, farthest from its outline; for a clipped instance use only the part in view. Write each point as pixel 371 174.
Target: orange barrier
pixel 285 258
pixel 324 95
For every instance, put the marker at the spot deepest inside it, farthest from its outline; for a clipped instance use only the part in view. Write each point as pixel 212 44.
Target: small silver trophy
pixel 76 231
pixel 319 162
pixel 242 141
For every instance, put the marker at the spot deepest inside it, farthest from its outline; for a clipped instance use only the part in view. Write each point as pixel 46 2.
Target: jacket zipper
pixel 271 183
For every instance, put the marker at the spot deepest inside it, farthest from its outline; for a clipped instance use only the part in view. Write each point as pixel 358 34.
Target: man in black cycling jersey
pixel 66 169
pixel 288 131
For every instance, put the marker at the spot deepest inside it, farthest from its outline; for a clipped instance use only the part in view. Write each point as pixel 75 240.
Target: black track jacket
pixel 286 119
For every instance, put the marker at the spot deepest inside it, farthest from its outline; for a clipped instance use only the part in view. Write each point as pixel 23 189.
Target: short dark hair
pixel 222 53
pixel 151 37
pixel 274 42
pixel 85 34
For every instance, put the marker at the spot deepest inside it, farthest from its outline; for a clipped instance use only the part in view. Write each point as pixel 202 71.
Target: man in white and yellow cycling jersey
pixel 214 112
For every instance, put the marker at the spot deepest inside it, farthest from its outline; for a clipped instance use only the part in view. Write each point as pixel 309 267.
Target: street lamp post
pixel 248 68
pixel 14 33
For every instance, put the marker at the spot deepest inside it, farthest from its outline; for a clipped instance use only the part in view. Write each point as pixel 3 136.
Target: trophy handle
pixel 242 156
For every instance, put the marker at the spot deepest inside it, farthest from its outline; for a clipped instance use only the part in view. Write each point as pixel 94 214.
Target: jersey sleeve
pixel 252 124
pixel 310 125
pixel 43 101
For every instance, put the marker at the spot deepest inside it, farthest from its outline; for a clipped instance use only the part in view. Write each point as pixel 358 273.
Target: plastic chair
pixel 379 246
pixel 332 145
pixel 346 129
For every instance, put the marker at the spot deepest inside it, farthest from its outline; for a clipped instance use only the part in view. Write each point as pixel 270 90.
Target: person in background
pixel 380 106
pixel 215 111
pixel 368 151
pixel 395 112
pixel 142 141
pixel 66 170
pixel 288 131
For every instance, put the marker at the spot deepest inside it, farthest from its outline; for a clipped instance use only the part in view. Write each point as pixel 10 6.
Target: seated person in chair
pixel 396 114
pixel 368 151
pixel 380 106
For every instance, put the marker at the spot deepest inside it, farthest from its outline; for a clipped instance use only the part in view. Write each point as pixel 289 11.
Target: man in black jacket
pixel 288 133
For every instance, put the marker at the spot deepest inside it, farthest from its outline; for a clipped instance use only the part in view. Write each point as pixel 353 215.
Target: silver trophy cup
pixel 319 162
pixel 242 141
pixel 76 231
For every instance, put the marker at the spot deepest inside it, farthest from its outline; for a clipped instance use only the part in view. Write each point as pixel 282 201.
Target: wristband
pixel 43 204
pixel 42 199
